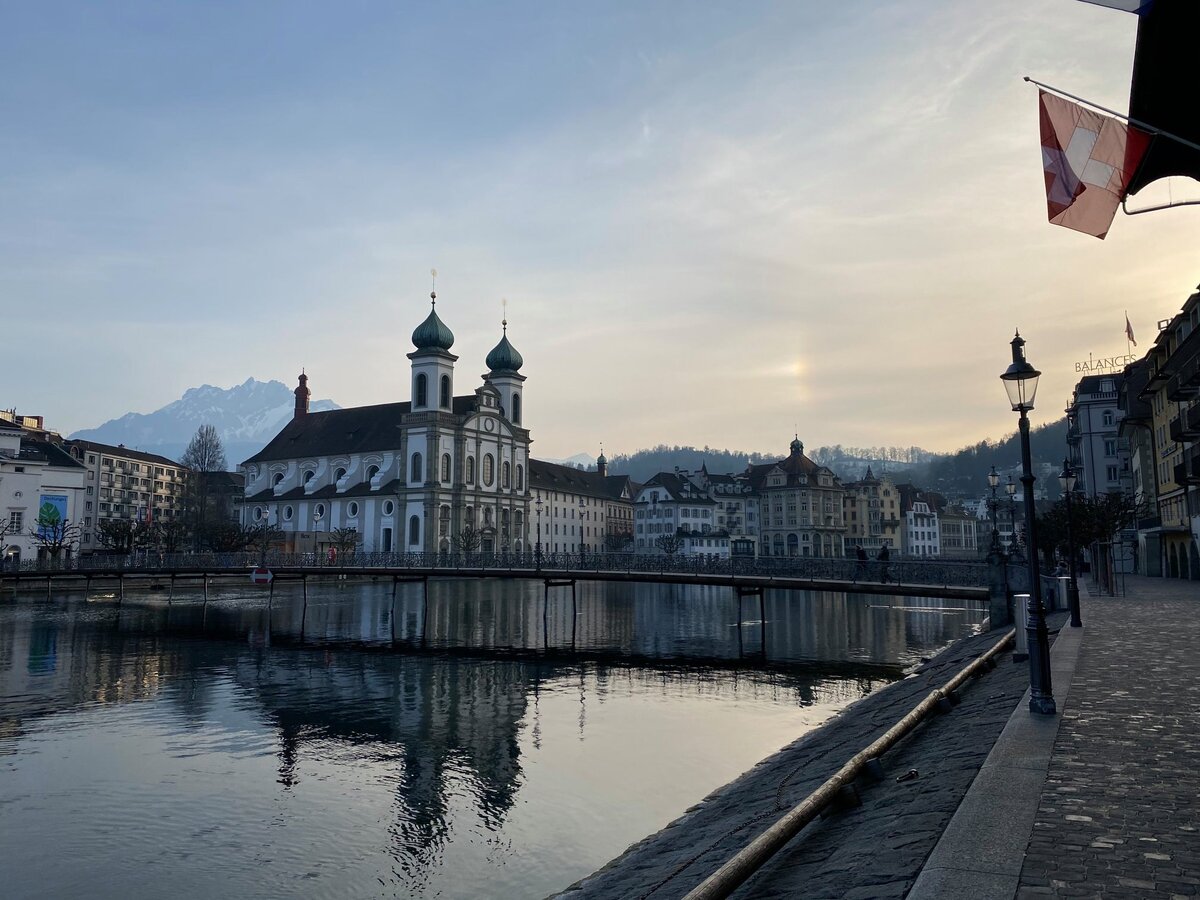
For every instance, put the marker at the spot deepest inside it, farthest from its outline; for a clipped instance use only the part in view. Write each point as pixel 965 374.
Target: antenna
pixel 433 288
pixel 504 307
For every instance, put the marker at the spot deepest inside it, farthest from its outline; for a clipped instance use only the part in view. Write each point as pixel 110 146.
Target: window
pixel 91 458
pixel 287 514
pixel 470 470
pixel 506 476
pixel 278 478
pixel 89 490
pixel 1110 447
pixel 446 467
pixel 520 478
pixel 516 409
pixel 16 520
pixel 352 509
pixel 414 531
pixel 1108 417
pixel 489 470
pixel 445 392
pixel 1112 473
pixel 258 513
pixel 309 474
pixel 319 512
pixel 372 471
pixel 339 474
pixel 415 469
pixel 420 391
pixel 88 506
pixel 389 507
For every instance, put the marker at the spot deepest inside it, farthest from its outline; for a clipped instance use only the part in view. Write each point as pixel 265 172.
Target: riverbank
pixel 873 851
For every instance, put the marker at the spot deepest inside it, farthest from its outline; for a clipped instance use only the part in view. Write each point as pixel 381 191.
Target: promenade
pixel 1101 800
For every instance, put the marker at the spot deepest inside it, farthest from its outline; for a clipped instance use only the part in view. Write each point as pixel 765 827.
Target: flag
pixel 1129 330
pixel 1088 160
pixel 1165 89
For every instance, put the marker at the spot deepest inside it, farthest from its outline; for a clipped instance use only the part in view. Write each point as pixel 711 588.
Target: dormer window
pixel 309 475
pixel 372 471
pixel 339 474
pixel 278 478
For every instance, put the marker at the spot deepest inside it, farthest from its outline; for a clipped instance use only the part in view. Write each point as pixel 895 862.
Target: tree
pixel 172 535
pixel 261 537
pixel 228 537
pixel 617 543
pixel 116 534
pixel 669 544
pixel 469 540
pixel 53 533
pixel 344 539
pixel 204 452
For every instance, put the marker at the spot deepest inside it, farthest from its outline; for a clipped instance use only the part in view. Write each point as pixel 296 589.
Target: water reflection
pixel 456 747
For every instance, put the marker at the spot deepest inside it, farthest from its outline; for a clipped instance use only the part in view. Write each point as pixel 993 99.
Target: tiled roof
pixel 45 451
pixel 550 476
pixel 679 489
pixel 126 452
pixel 358 429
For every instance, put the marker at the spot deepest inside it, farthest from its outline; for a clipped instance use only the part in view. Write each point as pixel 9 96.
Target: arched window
pixel 504 522
pixel 287 514
pixel 778 542
pixel 506 477
pixel 278 478
pixel 372 471
pixel 520 478
pixel 470 470
pixel 414 531
pixel 516 409
pixel 793 545
pixel 489 470
pixel 420 391
pixel 319 512
pixel 415 476
pixel 444 521
pixel 445 392
pixel 339 474
pixel 309 475
pixel 446 467
pixel 468 516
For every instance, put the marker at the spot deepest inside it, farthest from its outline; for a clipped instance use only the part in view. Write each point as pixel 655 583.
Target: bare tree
pixel 53 533
pixel 669 544
pixel 261 537
pixel 204 452
pixel 469 540
pixel 345 539
pixel 116 534
pixel 617 543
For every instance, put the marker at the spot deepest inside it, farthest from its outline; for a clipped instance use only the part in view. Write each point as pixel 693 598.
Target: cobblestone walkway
pixel 875 851
pixel 1120 811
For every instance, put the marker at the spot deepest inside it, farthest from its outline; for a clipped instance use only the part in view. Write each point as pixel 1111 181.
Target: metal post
pixel 204 578
pixel 171 595
pixel 120 588
pixel 47 587
pixel 1041 699
pixel 1073 588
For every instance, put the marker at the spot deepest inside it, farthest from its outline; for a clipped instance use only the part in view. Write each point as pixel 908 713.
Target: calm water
pixel 474 745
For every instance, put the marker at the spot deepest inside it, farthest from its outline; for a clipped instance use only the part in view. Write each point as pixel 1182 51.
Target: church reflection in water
pixel 438 690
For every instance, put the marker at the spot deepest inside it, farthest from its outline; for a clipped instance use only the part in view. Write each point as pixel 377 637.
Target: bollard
pixel 1020 612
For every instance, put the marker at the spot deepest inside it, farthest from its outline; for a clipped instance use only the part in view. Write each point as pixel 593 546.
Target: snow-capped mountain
pixel 587 460
pixel 246 416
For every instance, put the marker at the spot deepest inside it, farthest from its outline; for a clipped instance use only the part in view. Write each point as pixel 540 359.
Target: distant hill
pixel 965 471
pixel 246 416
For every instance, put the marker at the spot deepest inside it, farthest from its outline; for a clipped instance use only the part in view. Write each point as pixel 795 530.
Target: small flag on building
pixel 1088 160
pixel 1129 330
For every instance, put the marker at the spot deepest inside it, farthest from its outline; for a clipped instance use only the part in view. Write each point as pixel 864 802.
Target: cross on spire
pixel 433 288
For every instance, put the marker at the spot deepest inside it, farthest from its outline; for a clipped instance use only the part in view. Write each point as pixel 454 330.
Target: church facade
pixel 437 473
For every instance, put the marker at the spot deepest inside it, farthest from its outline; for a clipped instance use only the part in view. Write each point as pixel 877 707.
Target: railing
pixel 948 573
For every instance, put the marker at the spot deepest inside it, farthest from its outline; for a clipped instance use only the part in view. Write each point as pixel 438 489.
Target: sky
pixel 714 224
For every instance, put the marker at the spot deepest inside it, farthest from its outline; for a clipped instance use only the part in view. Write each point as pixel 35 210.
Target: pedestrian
pixel 883 563
pixel 861 568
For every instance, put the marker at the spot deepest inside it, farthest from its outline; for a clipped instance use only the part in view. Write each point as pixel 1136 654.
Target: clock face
pixel 489 425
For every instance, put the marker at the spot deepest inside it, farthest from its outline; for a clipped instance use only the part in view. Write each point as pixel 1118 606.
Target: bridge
pixel 967 580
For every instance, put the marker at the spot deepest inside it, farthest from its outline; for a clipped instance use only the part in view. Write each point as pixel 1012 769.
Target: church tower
pixel 302 396
pixel 504 373
pixel 432 363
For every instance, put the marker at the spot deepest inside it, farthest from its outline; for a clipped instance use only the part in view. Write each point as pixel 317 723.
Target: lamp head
pixel 1020 378
pixel 1011 487
pixel 1066 477
pixel 993 478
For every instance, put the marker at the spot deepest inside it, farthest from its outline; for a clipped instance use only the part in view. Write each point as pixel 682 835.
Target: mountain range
pixel 246 416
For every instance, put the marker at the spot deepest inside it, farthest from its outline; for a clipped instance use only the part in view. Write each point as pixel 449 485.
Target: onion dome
pixel 504 356
pixel 796 446
pixel 432 334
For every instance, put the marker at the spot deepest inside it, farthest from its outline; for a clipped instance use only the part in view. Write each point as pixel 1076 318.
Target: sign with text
pixel 1103 365
pixel 52 509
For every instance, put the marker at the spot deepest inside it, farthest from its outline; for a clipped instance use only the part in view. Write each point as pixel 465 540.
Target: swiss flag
pixel 1088 160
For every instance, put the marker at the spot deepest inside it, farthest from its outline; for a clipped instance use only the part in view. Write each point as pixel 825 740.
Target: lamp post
pixel 1020 382
pixel 538 552
pixel 993 480
pixel 1011 489
pixel 1067 481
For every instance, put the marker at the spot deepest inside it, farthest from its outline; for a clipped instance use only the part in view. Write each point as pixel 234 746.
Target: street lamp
pixel 1020 382
pixel 538 552
pixel 1010 488
pixel 993 478
pixel 1067 480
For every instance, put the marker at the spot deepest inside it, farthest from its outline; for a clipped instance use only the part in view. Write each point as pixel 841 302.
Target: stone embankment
pixel 873 851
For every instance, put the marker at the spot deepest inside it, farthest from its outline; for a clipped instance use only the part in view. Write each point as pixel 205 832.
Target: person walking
pixel 883 558
pixel 860 569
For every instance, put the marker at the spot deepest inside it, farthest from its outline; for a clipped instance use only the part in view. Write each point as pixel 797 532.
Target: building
pixel 1093 423
pixel 127 484
pixel 580 511
pixel 1172 390
pixel 1135 432
pixel 920 532
pixel 674 514
pixel 871 511
pixel 416 475
pixel 39 482
pixel 801 507
pixel 737 510
pixel 959 534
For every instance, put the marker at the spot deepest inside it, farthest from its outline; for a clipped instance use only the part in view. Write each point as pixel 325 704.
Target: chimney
pixel 302 395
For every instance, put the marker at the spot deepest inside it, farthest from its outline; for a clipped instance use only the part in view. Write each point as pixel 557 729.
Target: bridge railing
pixel 900 570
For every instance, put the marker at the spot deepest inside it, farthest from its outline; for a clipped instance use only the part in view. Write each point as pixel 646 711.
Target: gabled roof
pixel 49 453
pixel 794 466
pixel 126 452
pixel 358 429
pixel 548 476
pixel 678 489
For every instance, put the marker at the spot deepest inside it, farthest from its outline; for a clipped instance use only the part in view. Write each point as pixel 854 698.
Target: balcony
pixel 1178 388
pixel 1188 471
pixel 1186 426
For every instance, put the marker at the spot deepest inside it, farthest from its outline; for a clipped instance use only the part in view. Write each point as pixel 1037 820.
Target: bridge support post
pixel 120 588
pixel 270 593
pixel 87 587
pixel 47 587
pixel 204 576
pixel 171 592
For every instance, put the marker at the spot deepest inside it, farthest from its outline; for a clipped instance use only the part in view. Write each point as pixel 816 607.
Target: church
pixel 414 476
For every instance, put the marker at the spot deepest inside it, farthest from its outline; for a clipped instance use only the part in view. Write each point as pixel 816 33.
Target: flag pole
pixel 1127 347
pixel 1112 112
